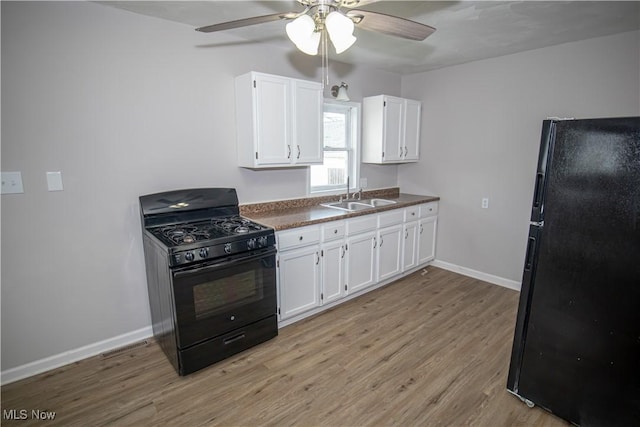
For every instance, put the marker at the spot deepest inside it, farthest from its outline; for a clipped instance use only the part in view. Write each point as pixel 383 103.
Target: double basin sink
pixel 353 205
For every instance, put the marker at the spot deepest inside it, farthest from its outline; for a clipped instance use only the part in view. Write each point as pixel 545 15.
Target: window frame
pixel 353 151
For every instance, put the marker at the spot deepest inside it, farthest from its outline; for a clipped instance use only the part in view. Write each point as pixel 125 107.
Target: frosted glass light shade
pixel 342 94
pixel 301 32
pixel 340 29
pixel 310 45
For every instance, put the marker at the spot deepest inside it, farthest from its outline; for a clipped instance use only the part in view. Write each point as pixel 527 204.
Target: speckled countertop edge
pixel 286 214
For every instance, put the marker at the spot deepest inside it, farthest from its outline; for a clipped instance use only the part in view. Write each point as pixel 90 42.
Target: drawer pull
pixel 335 231
pixel 300 238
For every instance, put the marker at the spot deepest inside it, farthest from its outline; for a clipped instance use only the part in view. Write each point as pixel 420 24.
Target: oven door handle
pixel 238 259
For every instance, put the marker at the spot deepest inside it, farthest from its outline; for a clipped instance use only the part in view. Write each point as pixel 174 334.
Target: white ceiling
pixel 466 30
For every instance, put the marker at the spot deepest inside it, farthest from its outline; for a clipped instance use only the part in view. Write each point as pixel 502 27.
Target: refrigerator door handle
pixel 537 194
pixel 531 251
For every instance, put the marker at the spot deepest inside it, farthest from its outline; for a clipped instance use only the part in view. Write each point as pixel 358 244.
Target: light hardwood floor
pixel 431 349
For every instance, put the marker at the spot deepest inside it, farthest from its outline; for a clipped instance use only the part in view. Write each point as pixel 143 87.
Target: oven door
pixel 216 298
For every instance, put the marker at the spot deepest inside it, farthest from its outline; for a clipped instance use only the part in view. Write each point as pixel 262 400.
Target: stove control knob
pixel 251 243
pixel 189 256
pixel 262 241
pixel 204 252
pixel 227 248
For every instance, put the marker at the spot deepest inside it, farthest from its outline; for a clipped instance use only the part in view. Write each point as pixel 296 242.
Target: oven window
pixel 219 295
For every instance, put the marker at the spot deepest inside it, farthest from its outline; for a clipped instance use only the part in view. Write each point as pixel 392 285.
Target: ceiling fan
pixel 307 28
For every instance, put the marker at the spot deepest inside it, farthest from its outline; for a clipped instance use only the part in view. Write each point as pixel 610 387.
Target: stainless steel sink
pixel 378 202
pixel 348 205
pixel 358 205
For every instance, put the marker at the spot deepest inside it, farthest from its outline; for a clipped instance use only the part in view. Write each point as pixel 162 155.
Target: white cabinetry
pixel 389 248
pixel 390 129
pixel 298 271
pixel 328 263
pixel 278 121
pixel 361 254
pixel 333 264
pixel 426 236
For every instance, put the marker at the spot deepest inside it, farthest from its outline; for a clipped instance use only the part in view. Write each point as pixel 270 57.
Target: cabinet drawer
pixel 428 209
pixel 361 224
pixel 393 217
pixel 298 237
pixel 411 213
pixel 333 230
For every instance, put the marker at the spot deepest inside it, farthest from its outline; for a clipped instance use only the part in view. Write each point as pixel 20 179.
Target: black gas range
pixel 210 273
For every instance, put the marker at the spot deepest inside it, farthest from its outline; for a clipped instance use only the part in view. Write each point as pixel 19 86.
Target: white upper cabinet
pixel 391 129
pixel 278 121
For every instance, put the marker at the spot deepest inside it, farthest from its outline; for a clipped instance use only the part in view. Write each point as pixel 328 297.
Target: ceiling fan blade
pixel 247 21
pixel 355 3
pixel 389 24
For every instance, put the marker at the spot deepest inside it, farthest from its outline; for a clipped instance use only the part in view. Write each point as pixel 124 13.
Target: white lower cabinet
pixel 322 264
pixel 299 274
pixel 361 261
pixel 389 252
pixel 333 271
pixel 427 239
pixel 409 247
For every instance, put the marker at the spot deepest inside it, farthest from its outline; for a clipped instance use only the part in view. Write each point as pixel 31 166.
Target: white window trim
pixel 356 126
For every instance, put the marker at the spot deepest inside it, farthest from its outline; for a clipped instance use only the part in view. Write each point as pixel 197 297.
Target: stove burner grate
pixel 180 234
pixel 235 224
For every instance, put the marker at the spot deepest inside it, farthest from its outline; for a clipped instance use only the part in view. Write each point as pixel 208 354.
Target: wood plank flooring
pixel 431 349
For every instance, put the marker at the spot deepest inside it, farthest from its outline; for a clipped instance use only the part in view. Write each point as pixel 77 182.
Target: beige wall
pixel 123 105
pixel 481 133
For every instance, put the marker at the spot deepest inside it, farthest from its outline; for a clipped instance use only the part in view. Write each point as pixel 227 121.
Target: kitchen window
pixel 341 158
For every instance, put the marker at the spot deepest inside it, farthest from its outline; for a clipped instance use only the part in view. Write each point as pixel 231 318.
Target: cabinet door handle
pixel 381 241
pixel 289 152
pixel 343 251
pixel 421 230
pixel 298 152
pixel 406 150
pixel 375 243
pixel 317 258
pixel 406 234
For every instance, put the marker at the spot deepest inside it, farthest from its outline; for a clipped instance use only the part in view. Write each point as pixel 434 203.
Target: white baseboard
pixel 57 360
pixel 486 277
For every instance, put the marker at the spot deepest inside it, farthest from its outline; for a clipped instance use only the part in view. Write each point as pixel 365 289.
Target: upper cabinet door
pixel 271 116
pixel 391 129
pixel 412 130
pixel 278 121
pixel 307 124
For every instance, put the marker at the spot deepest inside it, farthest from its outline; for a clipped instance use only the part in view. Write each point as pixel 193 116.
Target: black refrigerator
pixel 576 347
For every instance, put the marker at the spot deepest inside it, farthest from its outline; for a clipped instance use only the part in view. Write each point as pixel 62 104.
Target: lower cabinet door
pixel 299 280
pixel 410 249
pixel 427 239
pixel 389 252
pixel 333 280
pixel 361 261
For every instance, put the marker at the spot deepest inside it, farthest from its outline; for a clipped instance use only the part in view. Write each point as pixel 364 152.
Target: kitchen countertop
pixel 282 215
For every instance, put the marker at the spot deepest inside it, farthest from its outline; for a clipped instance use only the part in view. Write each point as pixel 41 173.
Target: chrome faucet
pixel 347 197
pixel 359 194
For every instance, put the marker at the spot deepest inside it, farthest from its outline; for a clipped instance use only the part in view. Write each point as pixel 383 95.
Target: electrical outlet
pixel 12 183
pixel 485 203
pixel 54 181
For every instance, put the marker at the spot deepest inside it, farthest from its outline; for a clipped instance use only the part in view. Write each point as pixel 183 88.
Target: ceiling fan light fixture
pixel 300 29
pixel 310 44
pixel 340 29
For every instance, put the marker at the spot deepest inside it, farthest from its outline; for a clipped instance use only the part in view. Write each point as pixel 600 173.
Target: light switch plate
pixel 12 183
pixel 54 181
